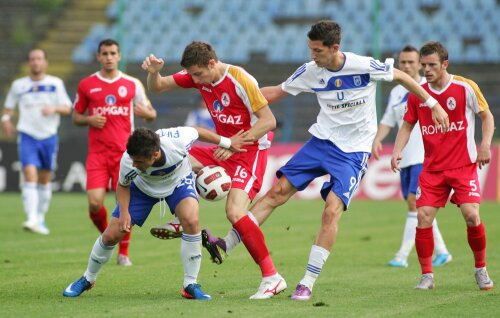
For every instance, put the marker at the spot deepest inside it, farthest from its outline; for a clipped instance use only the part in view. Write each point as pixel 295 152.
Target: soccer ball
pixel 213 183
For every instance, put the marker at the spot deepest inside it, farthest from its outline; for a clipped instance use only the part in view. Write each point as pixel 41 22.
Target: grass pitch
pixel 355 282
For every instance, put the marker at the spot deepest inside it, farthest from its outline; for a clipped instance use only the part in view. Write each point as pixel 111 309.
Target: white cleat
pixel 123 260
pixel 35 228
pixel 426 282
pixel 167 231
pixel 483 279
pixel 269 287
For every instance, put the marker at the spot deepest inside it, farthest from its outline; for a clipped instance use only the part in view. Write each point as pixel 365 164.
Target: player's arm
pixel 123 199
pixel 488 127
pixel 145 110
pixel 439 116
pixel 401 141
pixel 8 127
pixel 265 123
pixel 273 93
pixel 157 83
pixel 96 121
pixel 64 110
pixel 235 143
pixel 382 132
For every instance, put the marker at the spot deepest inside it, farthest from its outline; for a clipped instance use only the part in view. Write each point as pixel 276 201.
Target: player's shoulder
pixel 464 81
pixel 21 81
pixel 92 78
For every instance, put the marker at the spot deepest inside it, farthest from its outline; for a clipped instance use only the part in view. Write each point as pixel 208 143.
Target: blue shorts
pixel 319 157
pixel 141 204
pixel 409 179
pixel 39 153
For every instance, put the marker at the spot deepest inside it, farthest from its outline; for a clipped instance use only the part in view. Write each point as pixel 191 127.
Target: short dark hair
pixel 143 143
pixel 37 49
pixel 108 42
pixel 198 53
pixel 410 48
pixel 432 47
pixel 327 31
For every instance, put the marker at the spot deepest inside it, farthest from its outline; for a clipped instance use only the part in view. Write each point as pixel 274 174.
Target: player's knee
pixel 191 224
pixel 277 195
pixel 110 238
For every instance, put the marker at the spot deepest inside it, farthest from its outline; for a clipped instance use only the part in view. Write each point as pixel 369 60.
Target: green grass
pixel 355 282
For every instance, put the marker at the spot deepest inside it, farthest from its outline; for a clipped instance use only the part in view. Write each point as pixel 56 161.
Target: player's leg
pixel 97 211
pixel 47 150
pixel 185 204
pixel 100 255
pixel 442 255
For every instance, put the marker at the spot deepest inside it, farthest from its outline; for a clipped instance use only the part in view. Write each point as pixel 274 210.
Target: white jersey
pixel 348 115
pixel 32 96
pixel 413 153
pixel 160 182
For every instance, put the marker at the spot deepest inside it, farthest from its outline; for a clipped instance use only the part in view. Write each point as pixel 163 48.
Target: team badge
pixel 122 91
pixel 110 100
pixel 451 103
pixel 338 82
pixel 225 99
pixel 217 106
pixel 357 80
pixel 419 192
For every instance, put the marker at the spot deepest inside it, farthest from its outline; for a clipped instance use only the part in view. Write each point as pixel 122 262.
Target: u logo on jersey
pixel 110 100
pixel 217 106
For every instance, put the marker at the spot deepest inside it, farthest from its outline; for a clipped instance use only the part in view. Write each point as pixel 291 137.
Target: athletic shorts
pixel 320 157
pixel 409 179
pixel 246 168
pixel 141 204
pixel 435 187
pixel 103 170
pixel 39 153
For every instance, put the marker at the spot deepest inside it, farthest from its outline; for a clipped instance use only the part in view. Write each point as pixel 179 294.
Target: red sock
pixel 100 219
pixel 253 238
pixel 424 244
pixel 124 243
pixel 477 242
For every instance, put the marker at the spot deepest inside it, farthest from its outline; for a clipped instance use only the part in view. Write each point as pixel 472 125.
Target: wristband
pixel 225 142
pixel 430 102
pixel 5 117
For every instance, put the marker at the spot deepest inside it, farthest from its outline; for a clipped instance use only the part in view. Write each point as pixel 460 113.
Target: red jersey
pixel 231 101
pixel 461 99
pixel 114 100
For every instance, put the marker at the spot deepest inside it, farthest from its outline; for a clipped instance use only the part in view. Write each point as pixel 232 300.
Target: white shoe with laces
pixel 167 231
pixel 426 282
pixel 269 287
pixel 483 279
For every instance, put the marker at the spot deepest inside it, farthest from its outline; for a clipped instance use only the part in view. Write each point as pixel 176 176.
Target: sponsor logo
pixel 451 103
pixel 204 88
pixel 228 119
pixel 434 129
pixel 217 106
pixel 111 110
pixel 110 99
pixel 354 103
pixel 95 90
pixel 238 180
pixel 122 91
pixel 474 194
pixel 225 99
pixel 321 81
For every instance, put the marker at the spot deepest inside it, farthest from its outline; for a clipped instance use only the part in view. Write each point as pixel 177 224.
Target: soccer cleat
pixel 167 231
pixel 426 282
pixel 76 288
pixel 301 293
pixel 35 228
pixel 215 246
pixel 441 259
pixel 42 227
pixel 193 291
pixel 483 279
pixel 398 262
pixel 269 287
pixel 123 260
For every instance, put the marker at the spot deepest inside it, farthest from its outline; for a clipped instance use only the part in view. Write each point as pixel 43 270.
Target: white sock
pixel 408 235
pixel 317 259
pixel 439 246
pixel 191 257
pixel 44 196
pixel 30 201
pixel 99 256
pixel 232 239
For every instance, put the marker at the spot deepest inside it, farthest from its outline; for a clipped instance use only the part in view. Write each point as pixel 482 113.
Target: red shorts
pixel 246 168
pixel 435 187
pixel 103 169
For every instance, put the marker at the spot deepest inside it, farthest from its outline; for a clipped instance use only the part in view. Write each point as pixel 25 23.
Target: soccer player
pixel 344 84
pixel 235 102
pixel 155 168
pixel 451 158
pixel 106 102
pixel 42 99
pixel 411 164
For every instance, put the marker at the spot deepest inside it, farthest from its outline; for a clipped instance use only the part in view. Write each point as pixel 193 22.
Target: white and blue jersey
pixel 346 97
pixel 172 181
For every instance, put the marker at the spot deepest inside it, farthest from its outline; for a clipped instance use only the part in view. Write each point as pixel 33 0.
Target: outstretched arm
pixel 156 82
pixel 273 93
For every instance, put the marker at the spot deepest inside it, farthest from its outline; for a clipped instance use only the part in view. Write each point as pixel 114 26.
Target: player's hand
pixel 222 153
pixel 395 159
pixel 141 110
pixel 240 139
pixel 124 221
pixel 97 121
pixel 8 128
pixel 48 110
pixel 483 156
pixel 440 118
pixel 152 64
pixel 376 147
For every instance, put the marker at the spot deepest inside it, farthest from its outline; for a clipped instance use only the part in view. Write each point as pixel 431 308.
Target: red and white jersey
pixel 231 101
pixel 113 99
pixel 461 99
